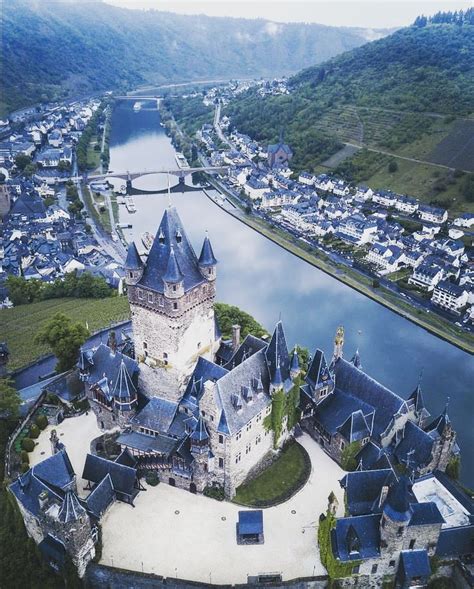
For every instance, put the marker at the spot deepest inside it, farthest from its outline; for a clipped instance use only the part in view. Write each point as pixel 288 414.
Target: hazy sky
pixel 366 13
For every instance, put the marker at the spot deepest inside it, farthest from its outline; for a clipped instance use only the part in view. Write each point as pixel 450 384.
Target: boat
pixel 181 160
pixel 123 225
pixel 137 106
pixel 147 240
pixel 130 205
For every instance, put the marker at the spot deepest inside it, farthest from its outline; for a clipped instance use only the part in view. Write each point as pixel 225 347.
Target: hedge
pixel 152 478
pixel 34 431
pixel 41 421
pixel 24 457
pixel 28 444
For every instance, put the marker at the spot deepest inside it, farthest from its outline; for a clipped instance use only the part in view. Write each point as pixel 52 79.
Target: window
pixel 412 544
pixel 238 436
pixel 249 426
pixel 130 274
pixel 238 457
pixel 209 270
pixel 221 463
pixel 199 345
pixel 145 345
pixel 400 531
pixel 383 544
pixel 355 570
pixel 221 439
pixel 248 447
pixel 203 413
pixel 175 305
pixel 374 569
pixel 150 297
pixel 161 302
pixel 165 355
pixel 343 444
pixel 392 563
pixel 174 287
pixel 258 439
pixel 141 294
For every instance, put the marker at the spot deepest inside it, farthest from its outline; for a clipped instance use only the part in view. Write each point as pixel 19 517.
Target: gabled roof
pixel 171 234
pixel 363 489
pixel 415 448
pixel 425 514
pixel 414 563
pixel 123 477
pixel 106 362
pixel 386 403
pixel 437 426
pixel 56 470
pixel 203 371
pixel 355 427
pixel 199 433
pixel 418 401
pixel 101 497
pixel 367 528
pixel 456 541
pixel 249 346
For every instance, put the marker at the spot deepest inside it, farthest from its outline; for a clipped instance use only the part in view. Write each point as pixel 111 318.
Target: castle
pixel 197 410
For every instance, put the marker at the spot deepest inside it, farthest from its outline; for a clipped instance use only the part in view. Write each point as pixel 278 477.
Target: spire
pixel 295 362
pixel 356 359
pixel 200 434
pixel 133 261
pixel 397 504
pixel 173 273
pixel 123 387
pixel 71 509
pixel 277 355
pixel 207 257
pixel 338 344
pixel 277 380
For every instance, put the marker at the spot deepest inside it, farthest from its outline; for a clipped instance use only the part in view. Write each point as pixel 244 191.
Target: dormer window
pixel 179 237
pixel 161 238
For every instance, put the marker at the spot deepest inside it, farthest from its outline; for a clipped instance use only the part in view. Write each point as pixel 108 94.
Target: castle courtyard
pixel 76 433
pixel 166 531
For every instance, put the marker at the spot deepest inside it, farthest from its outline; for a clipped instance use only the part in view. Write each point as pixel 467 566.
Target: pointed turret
pixel 207 260
pixel 295 364
pixel 277 356
pixel 319 378
pixel 173 277
pixel 124 391
pixel 356 360
pixel 397 505
pixel 133 264
pixel 338 344
pixel 71 509
pixel 277 380
pixel 418 402
pixel 441 424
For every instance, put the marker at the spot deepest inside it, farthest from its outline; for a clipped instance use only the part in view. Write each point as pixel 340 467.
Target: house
pixel 340 188
pixel 426 276
pixel 363 193
pixel 49 158
pixel 450 296
pixel 465 220
pixel 385 197
pixel 432 214
pixel 406 204
pixel 387 259
pixel 356 229
pixel 55 138
pixel 255 188
pixel 306 178
pixel 324 182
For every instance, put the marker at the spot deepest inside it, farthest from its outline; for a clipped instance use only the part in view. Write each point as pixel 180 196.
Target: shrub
pixel 24 467
pixel 34 431
pixel 41 421
pixel 453 468
pixel 392 167
pixel 28 445
pixel 152 478
pixel 214 492
pixel 25 459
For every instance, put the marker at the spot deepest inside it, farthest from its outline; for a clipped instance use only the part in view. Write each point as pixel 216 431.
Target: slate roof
pixel 203 371
pixel 363 489
pixel 318 372
pixel 249 346
pixel 367 528
pixel 415 448
pixel 123 387
pixel 456 541
pixel 277 356
pixel 373 457
pixel 207 258
pixel 123 477
pixel 173 274
pixel 386 403
pixel 244 375
pixel 414 563
pixel 335 409
pixel 56 470
pixel 425 513
pixel 397 505
pixel 157 415
pixel 106 362
pixel 171 234
pixel 133 261
pixel 71 509
pixel 157 444
pixel 356 427
pixel 418 401
pixel 101 497
pixel 199 433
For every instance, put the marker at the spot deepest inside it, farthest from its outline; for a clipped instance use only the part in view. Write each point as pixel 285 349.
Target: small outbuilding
pixel 250 527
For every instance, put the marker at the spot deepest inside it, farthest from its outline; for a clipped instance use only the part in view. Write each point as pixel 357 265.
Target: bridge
pixel 137 98
pixel 179 172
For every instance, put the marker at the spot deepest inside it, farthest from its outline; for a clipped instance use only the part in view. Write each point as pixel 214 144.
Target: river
pixel 268 282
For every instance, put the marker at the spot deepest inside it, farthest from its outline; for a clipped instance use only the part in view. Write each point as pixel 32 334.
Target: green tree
pixel 21 291
pixel 64 338
pixel 453 468
pixel 392 167
pixel 9 399
pixel 348 456
pixel 21 161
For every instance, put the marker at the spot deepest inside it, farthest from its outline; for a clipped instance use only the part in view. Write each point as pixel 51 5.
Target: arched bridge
pixel 179 172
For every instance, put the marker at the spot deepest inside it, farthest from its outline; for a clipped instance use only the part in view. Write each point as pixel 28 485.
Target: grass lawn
pixel 278 482
pixel 18 326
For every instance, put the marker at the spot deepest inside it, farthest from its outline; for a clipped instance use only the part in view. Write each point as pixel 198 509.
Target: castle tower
pixel 124 394
pixel 295 364
pixel 171 298
pixel 199 446
pixel 396 516
pixel 441 430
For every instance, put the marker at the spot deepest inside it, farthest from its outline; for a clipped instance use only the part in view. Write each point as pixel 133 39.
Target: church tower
pixel 171 299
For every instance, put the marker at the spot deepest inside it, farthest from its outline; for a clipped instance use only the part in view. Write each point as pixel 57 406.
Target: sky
pixel 356 13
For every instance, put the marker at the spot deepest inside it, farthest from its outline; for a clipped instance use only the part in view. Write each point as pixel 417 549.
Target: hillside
pixel 53 49
pixel 407 94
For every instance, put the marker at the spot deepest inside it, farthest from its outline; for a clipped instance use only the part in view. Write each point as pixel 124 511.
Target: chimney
pixel 235 337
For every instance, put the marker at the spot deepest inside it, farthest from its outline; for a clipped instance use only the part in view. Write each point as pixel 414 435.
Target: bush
pixel 41 421
pixel 27 444
pixel 214 492
pixel 25 459
pixel 152 478
pixel 392 167
pixel 34 431
pixel 24 467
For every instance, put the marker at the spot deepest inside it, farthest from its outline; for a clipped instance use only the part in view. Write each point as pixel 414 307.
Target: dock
pixel 130 204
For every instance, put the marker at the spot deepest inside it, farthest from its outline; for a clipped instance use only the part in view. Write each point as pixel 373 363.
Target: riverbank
pixel 363 284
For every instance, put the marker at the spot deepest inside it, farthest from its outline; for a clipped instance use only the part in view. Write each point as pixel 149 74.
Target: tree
pixel 392 167
pixel 21 291
pixel 21 161
pixel 64 338
pixel 348 456
pixel 9 399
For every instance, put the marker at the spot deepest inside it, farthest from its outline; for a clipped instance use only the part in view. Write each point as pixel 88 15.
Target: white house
pixel 449 296
pixel 306 178
pixel 465 220
pixel 385 198
pixel 406 204
pixel 324 182
pixel 255 188
pixel 387 259
pixel 363 193
pixel 426 276
pixel 357 230
pixel 432 214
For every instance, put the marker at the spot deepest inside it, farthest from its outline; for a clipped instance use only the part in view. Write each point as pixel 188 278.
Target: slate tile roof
pixel 363 489
pixel 157 415
pixel 456 541
pixel 367 528
pixel 425 513
pixel 415 448
pixel 159 444
pixel 101 497
pixel 123 477
pixel 414 563
pixel 171 234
